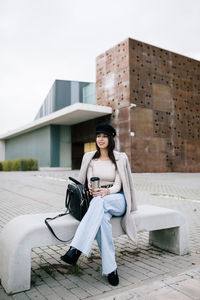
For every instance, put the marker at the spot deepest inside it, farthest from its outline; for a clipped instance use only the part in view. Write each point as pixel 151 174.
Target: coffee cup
pixel 95 182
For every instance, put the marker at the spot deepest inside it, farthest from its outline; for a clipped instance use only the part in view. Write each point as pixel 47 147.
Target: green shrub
pixel 28 164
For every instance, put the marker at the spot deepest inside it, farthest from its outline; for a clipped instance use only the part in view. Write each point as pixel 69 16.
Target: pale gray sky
pixel 44 40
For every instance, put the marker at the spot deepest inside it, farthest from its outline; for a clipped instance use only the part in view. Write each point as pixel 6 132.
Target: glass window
pixel 91 146
pixel 89 93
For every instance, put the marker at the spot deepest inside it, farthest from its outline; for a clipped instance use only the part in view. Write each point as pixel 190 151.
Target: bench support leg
pixel 175 240
pixel 16 271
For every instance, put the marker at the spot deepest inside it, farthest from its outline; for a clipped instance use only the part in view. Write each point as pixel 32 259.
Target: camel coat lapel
pixel 123 166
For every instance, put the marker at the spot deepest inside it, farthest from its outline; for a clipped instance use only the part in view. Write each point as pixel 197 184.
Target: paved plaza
pixel 145 272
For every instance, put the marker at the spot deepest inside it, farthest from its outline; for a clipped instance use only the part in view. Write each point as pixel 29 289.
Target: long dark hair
pixel 111 147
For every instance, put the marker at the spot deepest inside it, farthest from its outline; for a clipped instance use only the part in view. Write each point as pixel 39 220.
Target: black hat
pixel 105 128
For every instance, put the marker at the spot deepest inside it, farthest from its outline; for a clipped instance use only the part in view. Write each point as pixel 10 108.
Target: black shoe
pixel 113 278
pixel 71 256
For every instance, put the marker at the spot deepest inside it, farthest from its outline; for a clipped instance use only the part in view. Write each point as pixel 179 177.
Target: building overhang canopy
pixel 70 115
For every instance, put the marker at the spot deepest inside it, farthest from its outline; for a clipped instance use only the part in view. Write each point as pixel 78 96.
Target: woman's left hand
pixel 100 192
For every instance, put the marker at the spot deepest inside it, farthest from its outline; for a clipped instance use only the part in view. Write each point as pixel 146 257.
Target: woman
pixel 115 197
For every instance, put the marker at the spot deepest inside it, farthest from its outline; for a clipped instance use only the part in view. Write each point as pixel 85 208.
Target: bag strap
pixel 50 228
pixel 60 215
pixel 75 181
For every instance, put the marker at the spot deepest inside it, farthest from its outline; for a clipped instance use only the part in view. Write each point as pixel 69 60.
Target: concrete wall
pixel 55 146
pixel 162 134
pixel 35 144
pixel 51 145
pixel 2 150
pixel 65 147
pixel 60 146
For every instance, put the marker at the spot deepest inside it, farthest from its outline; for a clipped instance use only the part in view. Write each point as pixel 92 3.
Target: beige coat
pixel 123 166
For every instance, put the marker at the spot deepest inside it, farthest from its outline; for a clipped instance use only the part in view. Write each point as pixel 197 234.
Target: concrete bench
pixel 168 230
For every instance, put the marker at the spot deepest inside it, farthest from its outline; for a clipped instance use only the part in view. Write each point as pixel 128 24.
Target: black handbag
pixel 77 201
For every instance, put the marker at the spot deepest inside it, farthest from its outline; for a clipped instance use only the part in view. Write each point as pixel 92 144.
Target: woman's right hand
pixel 93 192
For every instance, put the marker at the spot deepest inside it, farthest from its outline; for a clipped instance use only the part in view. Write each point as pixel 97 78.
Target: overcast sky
pixel 44 40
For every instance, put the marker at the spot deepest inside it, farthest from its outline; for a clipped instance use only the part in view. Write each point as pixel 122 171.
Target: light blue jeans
pixel 96 224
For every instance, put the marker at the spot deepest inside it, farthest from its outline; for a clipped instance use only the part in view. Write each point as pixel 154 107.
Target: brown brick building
pixel 162 132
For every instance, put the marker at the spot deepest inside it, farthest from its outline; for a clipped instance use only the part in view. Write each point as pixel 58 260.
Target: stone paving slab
pixel 140 268
pixel 185 286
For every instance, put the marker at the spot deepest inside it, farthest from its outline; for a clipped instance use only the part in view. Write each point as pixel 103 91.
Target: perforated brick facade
pixel 162 133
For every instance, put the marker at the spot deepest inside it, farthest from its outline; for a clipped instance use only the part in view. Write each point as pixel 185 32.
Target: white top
pixel 107 172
